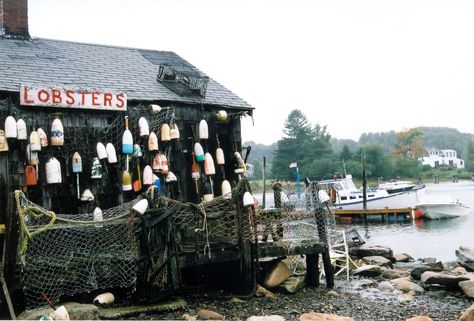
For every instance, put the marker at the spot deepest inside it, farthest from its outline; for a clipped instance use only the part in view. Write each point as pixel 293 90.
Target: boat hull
pixel 442 211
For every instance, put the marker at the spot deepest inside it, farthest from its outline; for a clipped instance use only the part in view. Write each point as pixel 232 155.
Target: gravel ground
pixel 362 305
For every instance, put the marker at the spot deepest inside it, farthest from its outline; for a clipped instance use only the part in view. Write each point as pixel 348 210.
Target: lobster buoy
pixel 418 213
pixel 152 142
pixel 43 137
pixel 207 194
pixel 143 126
pixel 10 127
pixel 220 159
pixel 96 169
pixel 53 171
pixel 164 164
pixel 87 196
pixel 248 199
pixel 147 175
pixel 35 142
pixel 127 139
pixel 203 129
pixel 226 189
pixel 126 181
pixel 199 152
pixel 141 206
pixel 21 130
pixel 32 157
pixel 30 175
pixel 165 132
pixel 209 168
pixel 57 133
pixel 101 151
pixel 221 115
pixel 111 154
pixel 97 214
pixel 174 131
pixel 3 142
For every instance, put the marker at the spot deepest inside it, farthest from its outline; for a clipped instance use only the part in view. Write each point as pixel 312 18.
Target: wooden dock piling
pixel 386 215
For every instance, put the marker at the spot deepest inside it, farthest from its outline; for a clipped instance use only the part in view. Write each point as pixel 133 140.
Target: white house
pixel 438 157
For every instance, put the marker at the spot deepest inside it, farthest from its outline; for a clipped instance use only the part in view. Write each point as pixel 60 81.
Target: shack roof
pixel 72 64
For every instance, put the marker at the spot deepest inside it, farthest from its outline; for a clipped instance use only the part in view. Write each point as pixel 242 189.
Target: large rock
pixel 421 268
pixel 76 311
pixel 314 316
pixel 468 288
pixel 277 275
pixel 394 273
pixel 372 250
pixel 444 279
pixel 465 257
pixel 292 285
pixel 402 257
pixel 368 270
pixel 468 314
pixel 405 285
pixel 377 260
pixel 420 318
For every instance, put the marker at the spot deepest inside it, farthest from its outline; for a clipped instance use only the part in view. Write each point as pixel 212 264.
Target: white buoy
pixel 165 132
pixel 203 129
pixel 35 141
pixel 226 189
pixel 101 151
pixel 111 154
pixel 104 298
pixel 96 169
pixel 57 133
pixel 77 168
pixel 152 142
pixel 21 133
pixel 60 314
pixel 209 168
pixel 127 139
pixel 10 127
pixel 220 159
pixel 155 108
pixel 248 199
pixel 174 131
pixel 207 194
pixel 43 137
pixel 97 214
pixel 87 196
pixel 171 177
pixel 3 142
pixel 143 126
pixel 53 171
pixel 32 157
pixel 221 115
pixel 141 206
pixel 164 164
pixel 199 152
pixel 147 175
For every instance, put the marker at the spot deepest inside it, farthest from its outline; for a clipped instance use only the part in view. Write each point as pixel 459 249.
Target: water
pixel 423 238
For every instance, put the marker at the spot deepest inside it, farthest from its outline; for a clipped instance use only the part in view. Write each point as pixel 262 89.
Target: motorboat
pixel 345 195
pixel 441 207
pixel 396 186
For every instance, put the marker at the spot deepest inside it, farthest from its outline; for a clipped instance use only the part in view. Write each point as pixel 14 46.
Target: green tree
pixel 469 160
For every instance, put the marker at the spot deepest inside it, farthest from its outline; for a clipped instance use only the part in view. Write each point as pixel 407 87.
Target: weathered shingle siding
pixel 70 64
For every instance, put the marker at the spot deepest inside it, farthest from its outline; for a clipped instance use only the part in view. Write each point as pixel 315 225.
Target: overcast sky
pixel 355 66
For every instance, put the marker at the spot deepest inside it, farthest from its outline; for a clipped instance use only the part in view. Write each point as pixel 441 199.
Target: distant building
pixel 440 157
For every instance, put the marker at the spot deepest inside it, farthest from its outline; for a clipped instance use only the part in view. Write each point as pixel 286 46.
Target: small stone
pixel 188 317
pixel 261 291
pixel 209 315
pixel 237 300
pixel 420 318
pixel 332 293
pixel 266 318
pixel 314 316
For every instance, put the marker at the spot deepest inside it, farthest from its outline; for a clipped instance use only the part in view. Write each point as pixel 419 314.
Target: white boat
pixel 345 195
pixel 396 186
pixel 442 207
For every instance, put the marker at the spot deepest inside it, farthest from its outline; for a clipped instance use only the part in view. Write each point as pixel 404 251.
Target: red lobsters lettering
pixel 120 103
pixel 26 99
pixel 70 97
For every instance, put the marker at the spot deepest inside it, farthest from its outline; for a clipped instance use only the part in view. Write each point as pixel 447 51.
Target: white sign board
pixel 74 98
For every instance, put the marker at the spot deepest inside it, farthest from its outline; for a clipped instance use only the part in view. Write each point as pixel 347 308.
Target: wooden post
pixel 263 181
pixel 312 270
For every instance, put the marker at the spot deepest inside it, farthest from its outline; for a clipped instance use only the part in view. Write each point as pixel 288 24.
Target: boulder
pixel 419 269
pixel 372 250
pixel 405 285
pixel 315 316
pixel 394 273
pixel 277 275
pixel 465 257
pixel 420 318
pixel 444 279
pixel 206 314
pixel 266 318
pixel 468 314
pixel 377 260
pixel 459 270
pixel 402 257
pixel 468 288
pixel 386 286
pixel 292 285
pixel 368 270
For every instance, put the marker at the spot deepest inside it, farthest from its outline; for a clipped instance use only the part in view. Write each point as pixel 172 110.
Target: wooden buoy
pixel 199 152
pixel 203 129
pixel 209 168
pixel 97 214
pixel 152 142
pixel 87 196
pixel 3 142
pixel 220 159
pixel 21 133
pixel 35 141
pixel 141 206
pixel 137 153
pixel 164 164
pixel 77 168
pixel 174 131
pixel 96 169
pixel 165 133
pixel 143 127
pixel 147 175
pixel 101 151
pixel 111 154
pixel 221 115
pixel 43 137
pixel 248 199
pixel 30 175
pixel 127 139
pixel 226 189
pixel 57 133
pixel 10 127
pixel 195 173
pixel 53 171
pixel 154 108
pixel 126 181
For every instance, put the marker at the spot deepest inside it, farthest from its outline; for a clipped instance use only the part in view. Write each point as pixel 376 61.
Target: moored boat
pixel 396 186
pixel 441 208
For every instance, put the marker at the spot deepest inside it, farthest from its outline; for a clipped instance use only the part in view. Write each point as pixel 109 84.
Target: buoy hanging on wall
pixel 10 127
pixel 101 151
pixel 43 137
pixel 209 168
pixel 203 129
pixel 157 165
pixel 77 168
pixel 35 141
pixel 221 115
pixel 199 152
pixel 97 214
pixel 127 139
pixel 226 189
pixel 207 194
pixel 174 131
pixel 111 154
pixel 96 169
pixel 248 199
pixel 165 132
pixel 3 142
pixel 147 175
pixel 220 159
pixel 143 126
pixel 21 130
pixel 152 142
pixel 30 175
pixel 126 181
pixel 141 206
pixel 87 196
pixel 57 133
pixel 164 164
pixel 32 157
pixel 53 171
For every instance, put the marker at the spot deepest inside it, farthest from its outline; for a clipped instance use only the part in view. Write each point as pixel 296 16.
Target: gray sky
pixel 355 66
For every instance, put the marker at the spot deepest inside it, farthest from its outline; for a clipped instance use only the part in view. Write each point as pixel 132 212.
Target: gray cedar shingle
pixel 62 63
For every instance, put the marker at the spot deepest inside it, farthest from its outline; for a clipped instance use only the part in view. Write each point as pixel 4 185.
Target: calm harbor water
pixel 423 238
